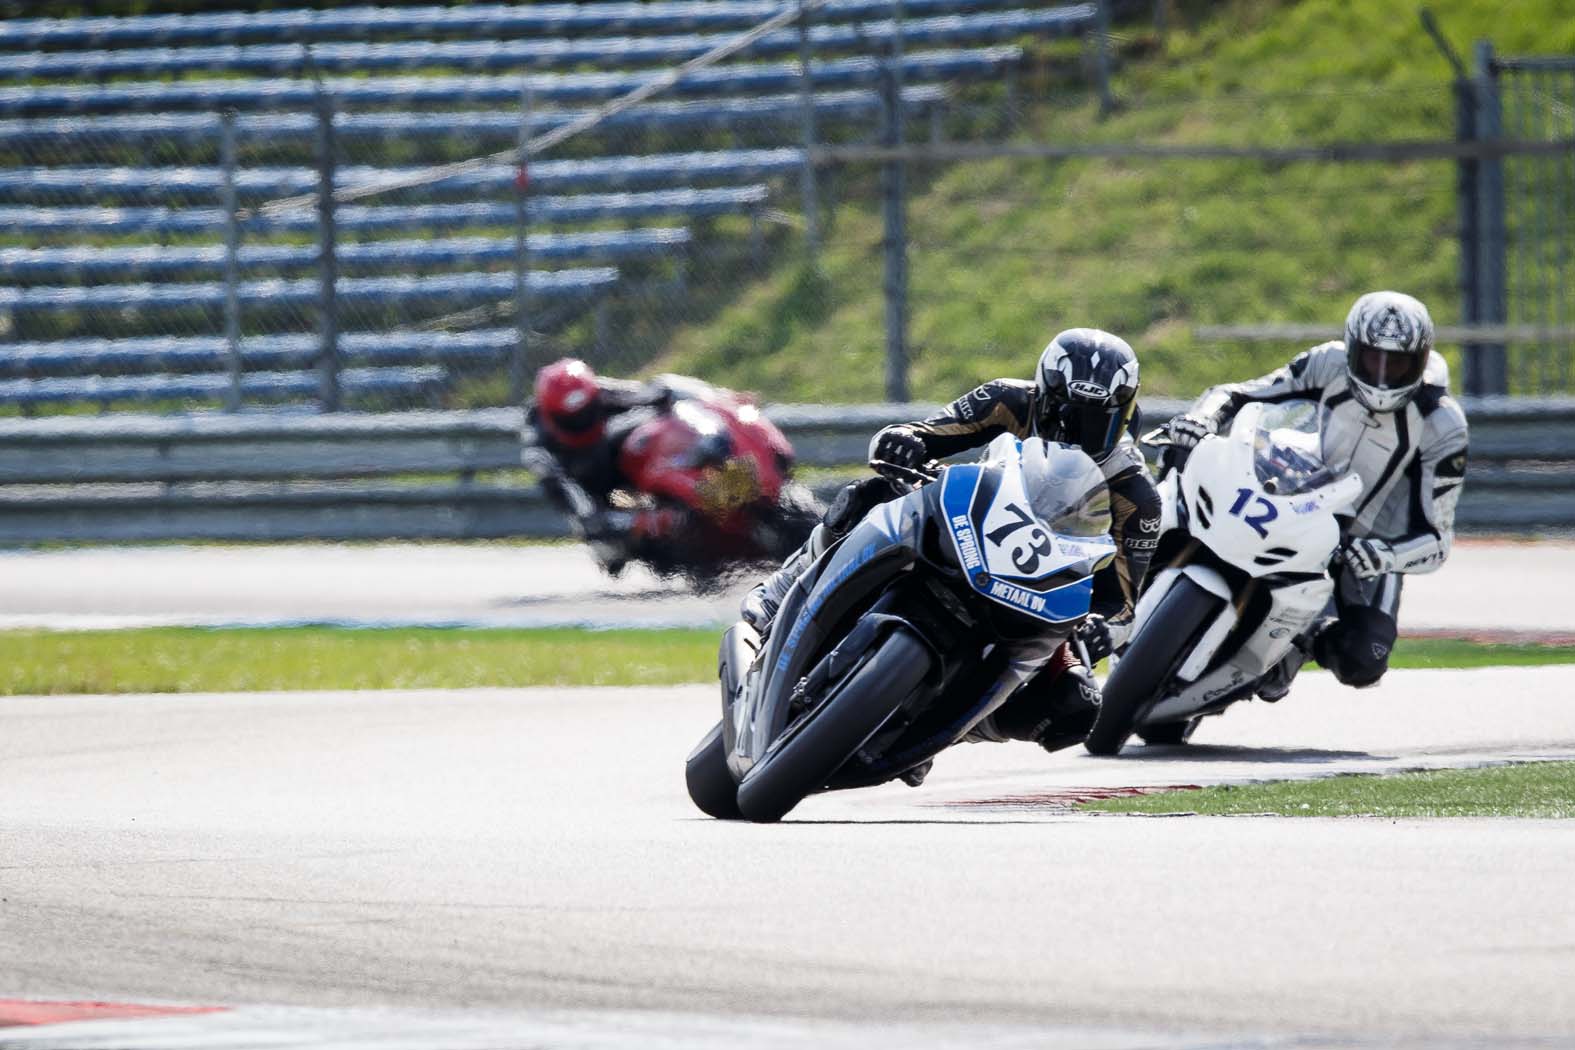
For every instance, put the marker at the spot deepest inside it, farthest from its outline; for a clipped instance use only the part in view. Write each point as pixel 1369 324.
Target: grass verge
pixel 199 660
pixel 1536 789
pixel 192 660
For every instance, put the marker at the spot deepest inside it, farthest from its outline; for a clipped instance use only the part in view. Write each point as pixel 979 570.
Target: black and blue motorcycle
pixel 910 631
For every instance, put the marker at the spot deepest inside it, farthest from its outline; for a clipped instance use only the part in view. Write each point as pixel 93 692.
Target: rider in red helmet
pixel 579 420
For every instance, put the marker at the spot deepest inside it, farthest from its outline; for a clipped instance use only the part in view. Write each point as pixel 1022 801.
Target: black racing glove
pixel 898 445
pixel 1094 633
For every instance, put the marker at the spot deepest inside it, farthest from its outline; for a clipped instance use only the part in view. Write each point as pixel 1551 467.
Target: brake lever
pixel 913 477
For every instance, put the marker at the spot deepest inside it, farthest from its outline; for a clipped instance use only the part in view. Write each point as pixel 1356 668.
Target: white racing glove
pixel 1366 558
pixel 1185 431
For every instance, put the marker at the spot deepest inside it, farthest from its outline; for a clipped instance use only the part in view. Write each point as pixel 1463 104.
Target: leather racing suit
pixel 1412 462
pixel 625 404
pixel 1059 695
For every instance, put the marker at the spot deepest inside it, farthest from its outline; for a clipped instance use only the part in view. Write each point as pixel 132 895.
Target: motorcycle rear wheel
pixel 1149 662
pixel 861 704
pixel 1170 733
pixel 711 784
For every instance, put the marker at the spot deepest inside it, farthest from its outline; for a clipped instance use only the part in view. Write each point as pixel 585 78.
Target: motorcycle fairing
pixel 1201 684
pixel 1223 504
pixel 1020 570
pixel 866 560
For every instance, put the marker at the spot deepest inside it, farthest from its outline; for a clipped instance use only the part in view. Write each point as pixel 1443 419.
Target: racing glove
pixel 1099 637
pixel 1366 558
pixel 898 445
pixel 1185 431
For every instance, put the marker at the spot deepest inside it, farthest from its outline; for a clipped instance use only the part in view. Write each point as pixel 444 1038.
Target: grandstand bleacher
pixel 715 113
pixel 549 88
pixel 477 21
pixel 164 133
pixel 505 55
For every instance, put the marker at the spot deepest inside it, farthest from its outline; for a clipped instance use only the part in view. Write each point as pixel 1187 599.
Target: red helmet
pixel 568 403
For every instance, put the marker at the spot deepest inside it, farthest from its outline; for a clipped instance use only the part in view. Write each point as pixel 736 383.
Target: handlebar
pixel 914 476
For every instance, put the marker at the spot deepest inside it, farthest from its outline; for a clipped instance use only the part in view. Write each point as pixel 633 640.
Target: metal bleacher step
pixel 554 89
pixel 583 207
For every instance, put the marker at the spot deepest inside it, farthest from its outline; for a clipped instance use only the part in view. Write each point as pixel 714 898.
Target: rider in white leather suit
pixel 1387 411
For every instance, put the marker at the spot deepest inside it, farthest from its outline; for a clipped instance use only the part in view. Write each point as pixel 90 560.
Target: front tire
pixel 711 785
pixel 1149 662
pixel 860 705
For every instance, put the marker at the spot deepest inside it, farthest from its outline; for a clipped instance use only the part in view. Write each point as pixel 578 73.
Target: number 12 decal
pixel 1267 512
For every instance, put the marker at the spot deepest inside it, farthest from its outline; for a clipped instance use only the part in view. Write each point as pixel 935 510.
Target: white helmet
pixel 1388 339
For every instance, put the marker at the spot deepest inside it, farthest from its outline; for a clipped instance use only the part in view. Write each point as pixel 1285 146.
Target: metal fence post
pixel 1490 361
pixel 327 262
pixel 1107 101
pixel 894 191
pixel 806 96
pixel 232 237
pixel 521 361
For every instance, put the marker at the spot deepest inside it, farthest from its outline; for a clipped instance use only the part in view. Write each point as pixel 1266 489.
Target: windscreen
pixel 1065 487
pixel 1287 449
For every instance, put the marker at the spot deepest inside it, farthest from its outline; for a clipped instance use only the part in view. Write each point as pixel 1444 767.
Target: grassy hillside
pixel 1005 252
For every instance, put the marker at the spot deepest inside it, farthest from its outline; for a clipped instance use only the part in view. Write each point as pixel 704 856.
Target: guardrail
pixel 423 475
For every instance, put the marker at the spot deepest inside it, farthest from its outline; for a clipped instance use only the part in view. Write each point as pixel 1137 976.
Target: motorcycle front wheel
pixel 829 735
pixel 711 786
pixel 1149 662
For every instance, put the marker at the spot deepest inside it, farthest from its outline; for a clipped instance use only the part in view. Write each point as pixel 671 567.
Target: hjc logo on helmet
pixel 1083 388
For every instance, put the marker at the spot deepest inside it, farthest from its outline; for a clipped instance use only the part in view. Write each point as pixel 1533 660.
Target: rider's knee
pixel 855 500
pixel 1356 649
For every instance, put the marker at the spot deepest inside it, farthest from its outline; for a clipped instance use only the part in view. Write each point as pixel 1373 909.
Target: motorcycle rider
pixel 580 420
pixel 1084 393
pixel 1387 410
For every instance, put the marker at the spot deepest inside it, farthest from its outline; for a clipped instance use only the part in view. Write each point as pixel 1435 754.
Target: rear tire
pixel 1169 733
pixel 861 705
pixel 711 784
pixel 1147 665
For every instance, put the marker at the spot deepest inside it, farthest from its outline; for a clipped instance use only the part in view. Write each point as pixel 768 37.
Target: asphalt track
pixel 1498 589
pixel 512 868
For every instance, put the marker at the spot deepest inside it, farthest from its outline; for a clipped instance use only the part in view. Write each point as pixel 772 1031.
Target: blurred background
pixel 847 202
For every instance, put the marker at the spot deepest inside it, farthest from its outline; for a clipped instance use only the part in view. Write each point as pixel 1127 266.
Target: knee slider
pixel 1356 650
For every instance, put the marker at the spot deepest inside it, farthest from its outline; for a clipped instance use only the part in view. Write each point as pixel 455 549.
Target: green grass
pixel 185 660
pixel 1452 654
pixel 1005 251
pixel 1537 789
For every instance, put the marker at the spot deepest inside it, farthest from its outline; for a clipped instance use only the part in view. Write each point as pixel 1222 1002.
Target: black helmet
pixel 1086 386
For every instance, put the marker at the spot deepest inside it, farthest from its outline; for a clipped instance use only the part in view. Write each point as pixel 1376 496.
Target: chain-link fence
pixel 918 211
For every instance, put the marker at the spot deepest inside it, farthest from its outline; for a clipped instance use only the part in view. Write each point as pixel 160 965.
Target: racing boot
pixel 1054 709
pixel 759 607
pixel 1274 686
pixel 915 776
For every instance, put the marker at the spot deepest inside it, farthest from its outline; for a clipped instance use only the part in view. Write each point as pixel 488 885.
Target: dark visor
pixel 1093 427
pixel 584 419
pixel 1385 369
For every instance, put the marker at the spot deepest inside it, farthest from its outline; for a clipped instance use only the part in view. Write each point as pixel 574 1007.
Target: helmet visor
pixel 1094 427
pixel 1385 369
pixel 578 422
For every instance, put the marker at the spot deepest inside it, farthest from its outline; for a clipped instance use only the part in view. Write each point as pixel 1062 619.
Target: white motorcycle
pixel 1248 530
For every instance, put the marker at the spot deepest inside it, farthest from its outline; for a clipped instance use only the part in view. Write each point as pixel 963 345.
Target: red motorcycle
pixel 718 473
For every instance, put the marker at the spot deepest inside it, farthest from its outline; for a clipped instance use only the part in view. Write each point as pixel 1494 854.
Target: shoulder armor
pixel 1015 395
pixel 1444 421
pixel 1324 363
